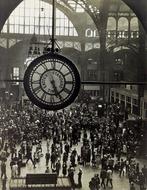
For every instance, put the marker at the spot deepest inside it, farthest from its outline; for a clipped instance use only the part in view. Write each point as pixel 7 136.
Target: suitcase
pixel 23 164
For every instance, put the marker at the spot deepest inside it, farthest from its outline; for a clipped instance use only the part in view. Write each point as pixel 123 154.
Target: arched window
pixel 134 24
pixel 95 33
pixel 123 24
pixel 111 24
pixel 35 16
pixel 89 32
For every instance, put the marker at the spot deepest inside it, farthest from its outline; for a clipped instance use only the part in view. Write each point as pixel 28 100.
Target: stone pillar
pixel 116 40
pixel 129 30
pixel 103 18
pixel 141 64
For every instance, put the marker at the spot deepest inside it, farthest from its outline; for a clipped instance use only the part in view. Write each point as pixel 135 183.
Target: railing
pixel 123 34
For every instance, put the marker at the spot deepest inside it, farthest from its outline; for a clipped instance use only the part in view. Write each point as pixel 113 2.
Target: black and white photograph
pixel 73 95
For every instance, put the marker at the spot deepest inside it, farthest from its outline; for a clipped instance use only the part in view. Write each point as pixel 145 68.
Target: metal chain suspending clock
pixel 52 81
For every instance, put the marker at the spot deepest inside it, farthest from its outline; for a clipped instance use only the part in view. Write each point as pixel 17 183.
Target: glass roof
pixel 94 5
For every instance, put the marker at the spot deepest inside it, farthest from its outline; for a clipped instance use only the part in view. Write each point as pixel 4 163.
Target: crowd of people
pixel 106 142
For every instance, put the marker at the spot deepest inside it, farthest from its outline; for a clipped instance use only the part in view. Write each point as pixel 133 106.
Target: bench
pixel 36 179
pixel 28 183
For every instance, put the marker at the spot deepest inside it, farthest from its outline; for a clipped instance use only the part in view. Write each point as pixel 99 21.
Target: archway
pixel 139 8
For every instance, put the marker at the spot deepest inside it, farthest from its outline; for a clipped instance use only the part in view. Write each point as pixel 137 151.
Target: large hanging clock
pixel 52 81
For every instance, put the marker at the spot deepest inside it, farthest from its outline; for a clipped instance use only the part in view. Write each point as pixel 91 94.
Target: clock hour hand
pixel 55 89
pixel 54 86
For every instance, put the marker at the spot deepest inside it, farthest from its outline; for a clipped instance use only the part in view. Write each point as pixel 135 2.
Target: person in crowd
pixel 141 180
pixel 29 157
pixel 4 181
pixel 47 170
pixel 3 156
pixel 3 170
pixel 103 176
pixel 48 144
pixel 1 143
pixel 64 169
pixel 73 159
pixel 67 148
pixel 65 157
pixel 53 158
pixel 109 177
pixel 122 168
pixel 80 178
pixel 97 182
pixel 137 169
pixel 14 170
pixel 144 171
pixel 92 184
pixel 132 186
pixel 47 157
pixel 53 167
pixel 13 151
pixel 6 146
pixel 20 155
pixel 71 175
pixel 19 164
pixel 58 167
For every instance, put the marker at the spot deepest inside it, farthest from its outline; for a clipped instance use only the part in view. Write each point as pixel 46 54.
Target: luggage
pixel 23 164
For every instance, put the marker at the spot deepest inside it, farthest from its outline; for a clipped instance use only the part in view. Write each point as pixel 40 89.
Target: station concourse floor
pixel 88 172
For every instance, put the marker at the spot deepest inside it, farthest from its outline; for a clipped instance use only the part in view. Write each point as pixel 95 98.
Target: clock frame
pixel 52 81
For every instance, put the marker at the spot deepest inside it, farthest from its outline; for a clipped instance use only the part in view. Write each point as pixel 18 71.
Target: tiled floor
pixel 88 172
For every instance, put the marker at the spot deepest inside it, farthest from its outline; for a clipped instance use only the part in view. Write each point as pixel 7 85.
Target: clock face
pixel 52 82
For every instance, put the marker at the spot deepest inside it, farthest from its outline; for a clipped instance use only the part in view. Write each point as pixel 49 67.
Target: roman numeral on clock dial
pixel 36 82
pixel 37 89
pixel 52 100
pixel 53 64
pixel 66 90
pixel 44 66
pixel 43 97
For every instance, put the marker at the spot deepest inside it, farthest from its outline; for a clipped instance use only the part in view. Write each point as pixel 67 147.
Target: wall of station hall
pixel 127 97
